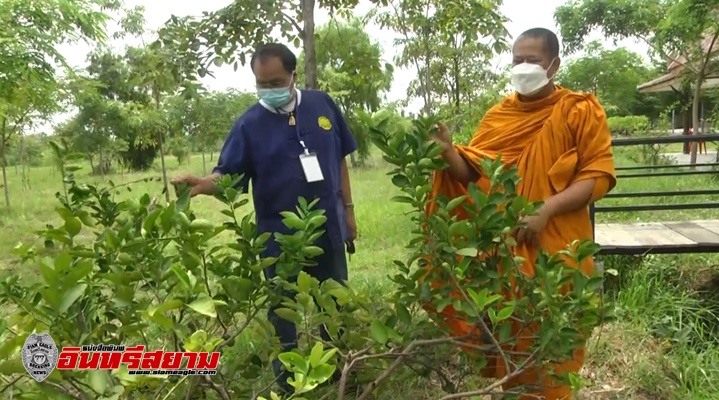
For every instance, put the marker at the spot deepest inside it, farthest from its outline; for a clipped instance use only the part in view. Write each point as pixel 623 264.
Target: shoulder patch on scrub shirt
pixel 324 123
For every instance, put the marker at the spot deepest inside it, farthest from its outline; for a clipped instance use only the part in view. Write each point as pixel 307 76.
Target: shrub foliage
pixel 137 272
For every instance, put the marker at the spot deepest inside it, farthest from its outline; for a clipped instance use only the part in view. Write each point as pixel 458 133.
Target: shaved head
pixel 537 47
pixel 548 38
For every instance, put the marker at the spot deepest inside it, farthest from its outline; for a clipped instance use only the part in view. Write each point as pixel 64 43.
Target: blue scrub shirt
pixel 266 148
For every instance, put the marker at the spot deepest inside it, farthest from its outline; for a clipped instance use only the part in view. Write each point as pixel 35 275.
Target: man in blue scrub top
pixel 292 143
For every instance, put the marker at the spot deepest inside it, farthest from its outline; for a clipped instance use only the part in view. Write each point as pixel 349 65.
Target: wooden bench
pixel 658 237
pixel 662 237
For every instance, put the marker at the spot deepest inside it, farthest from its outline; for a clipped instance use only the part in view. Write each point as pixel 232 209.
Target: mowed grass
pixel 662 347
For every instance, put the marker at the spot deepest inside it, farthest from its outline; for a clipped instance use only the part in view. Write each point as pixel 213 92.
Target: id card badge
pixel 311 167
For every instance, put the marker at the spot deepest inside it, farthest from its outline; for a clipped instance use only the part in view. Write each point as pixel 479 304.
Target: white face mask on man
pixel 528 78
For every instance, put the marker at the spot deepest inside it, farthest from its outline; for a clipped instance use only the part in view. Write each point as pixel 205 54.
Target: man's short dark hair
pixel 551 42
pixel 288 58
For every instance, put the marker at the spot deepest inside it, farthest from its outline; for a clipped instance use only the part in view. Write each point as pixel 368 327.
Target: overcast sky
pixel 523 14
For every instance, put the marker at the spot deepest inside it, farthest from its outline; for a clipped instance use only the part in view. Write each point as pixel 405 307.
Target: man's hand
pixel 197 185
pixel 533 227
pixel 442 137
pixel 351 224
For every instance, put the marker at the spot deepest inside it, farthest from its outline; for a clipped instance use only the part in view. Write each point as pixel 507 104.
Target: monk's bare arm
pixel 459 167
pixel 576 196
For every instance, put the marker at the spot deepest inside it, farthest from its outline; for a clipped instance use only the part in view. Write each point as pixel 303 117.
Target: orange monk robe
pixel 553 142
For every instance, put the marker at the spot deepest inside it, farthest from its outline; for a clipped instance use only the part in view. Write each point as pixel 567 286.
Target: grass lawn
pixel 664 347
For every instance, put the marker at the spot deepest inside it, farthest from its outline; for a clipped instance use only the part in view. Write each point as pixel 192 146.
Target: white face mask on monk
pixel 528 78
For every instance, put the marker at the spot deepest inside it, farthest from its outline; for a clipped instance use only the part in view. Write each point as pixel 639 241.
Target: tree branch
pixel 707 56
pixel 664 54
pixel 400 358
pixel 495 385
pixel 294 23
pixel 484 326
pixel 242 328
pixel 10 384
pixel 220 390
pixel 264 389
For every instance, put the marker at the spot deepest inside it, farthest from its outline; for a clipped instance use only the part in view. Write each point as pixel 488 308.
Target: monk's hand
pixel 530 229
pixel 441 136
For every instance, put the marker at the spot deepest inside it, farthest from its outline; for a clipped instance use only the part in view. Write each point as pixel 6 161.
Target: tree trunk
pixel 456 94
pixel 27 176
pixel 696 104
pixel 160 142
pixel 428 73
pixel 204 164
pixel 307 8
pixel 164 168
pixel 91 160
pixel 101 160
pixel 686 125
pixel 3 162
pixel 21 161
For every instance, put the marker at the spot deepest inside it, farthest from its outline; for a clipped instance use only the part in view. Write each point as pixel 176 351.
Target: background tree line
pixel 130 107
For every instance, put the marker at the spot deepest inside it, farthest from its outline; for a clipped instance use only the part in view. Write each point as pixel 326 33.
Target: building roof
pixel 675 66
pixel 673 80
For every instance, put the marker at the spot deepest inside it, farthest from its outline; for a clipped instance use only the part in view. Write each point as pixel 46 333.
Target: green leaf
pixel 594 284
pixel 378 332
pixel 292 221
pixel 312 251
pixel 289 315
pixel 468 252
pixel 403 314
pixel 505 313
pixel 63 261
pixel 99 380
pixel 182 275
pixel 454 203
pixel 400 181
pixel 328 355
pixel 402 199
pixel 238 288
pixel 291 359
pixel 322 373
pixel 303 282
pixel 204 305
pixel 166 306
pixel 70 297
pixel 505 331
pixel 12 366
pixel 316 355
pixel 149 223
pixel 479 299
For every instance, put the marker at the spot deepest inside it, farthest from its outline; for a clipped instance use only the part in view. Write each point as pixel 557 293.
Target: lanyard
pixel 302 142
pixel 297 128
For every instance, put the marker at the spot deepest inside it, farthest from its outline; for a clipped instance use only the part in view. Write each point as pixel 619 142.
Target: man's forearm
pixel 570 199
pixel 346 189
pixel 459 168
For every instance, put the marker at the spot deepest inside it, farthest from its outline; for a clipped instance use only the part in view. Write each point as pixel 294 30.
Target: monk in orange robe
pixel 561 145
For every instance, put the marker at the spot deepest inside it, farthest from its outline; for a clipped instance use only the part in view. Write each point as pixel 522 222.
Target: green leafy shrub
pixel 179 147
pixel 630 125
pixel 138 272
